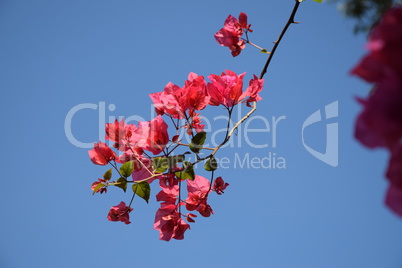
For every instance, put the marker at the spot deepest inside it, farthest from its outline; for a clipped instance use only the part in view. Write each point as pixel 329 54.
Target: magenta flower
pixel 154 135
pixel 120 213
pixel 198 190
pixel 170 191
pixel 219 185
pixel 101 154
pixel 168 101
pixel 255 86
pixel 101 190
pixel 243 22
pixel 196 93
pixel 225 89
pixel 124 135
pixel 194 124
pixel 230 35
pixel 169 223
pixel 394 199
pixel 176 101
pixel 394 175
pixel 380 122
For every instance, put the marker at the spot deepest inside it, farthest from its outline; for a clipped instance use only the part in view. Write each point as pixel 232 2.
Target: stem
pixel 179 201
pixel 176 126
pixel 115 167
pixel 234 128
pixel 136 158
pixel 188 123
pixel 177 145
pixel 131 201
pixel 153 176
pixel 210 183
pixel 264 70
pixel 290 21
pixel 230 110
pixel 184 144
pixel 254 45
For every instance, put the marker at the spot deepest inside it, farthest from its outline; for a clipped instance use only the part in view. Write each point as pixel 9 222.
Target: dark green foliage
pixel 366 12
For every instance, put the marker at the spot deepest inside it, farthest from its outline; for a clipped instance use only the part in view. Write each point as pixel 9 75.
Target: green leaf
pixel 211 164
pixel 127 168
pixel 187 172
pixel 160 164
pixel 319 1
pixel 122 183
pixel 142 189
pixel 100 185
pixel 265 51
pixel 108 175
pixel 197 141
pixel 173 160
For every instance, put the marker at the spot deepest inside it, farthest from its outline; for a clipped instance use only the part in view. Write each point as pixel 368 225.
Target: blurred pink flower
pixel 380 122
pixel 394 175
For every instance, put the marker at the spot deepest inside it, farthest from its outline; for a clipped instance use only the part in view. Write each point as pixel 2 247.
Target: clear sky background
pixel 55 55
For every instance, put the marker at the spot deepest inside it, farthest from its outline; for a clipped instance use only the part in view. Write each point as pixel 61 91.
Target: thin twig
pixel 290 21
pixel 264 70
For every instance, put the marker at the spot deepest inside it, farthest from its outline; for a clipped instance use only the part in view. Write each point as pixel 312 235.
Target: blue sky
pixel 55 55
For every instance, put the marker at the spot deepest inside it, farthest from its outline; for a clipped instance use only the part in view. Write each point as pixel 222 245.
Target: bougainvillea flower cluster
pixel 176 101
pixel 184 102
pixel 231 33
pixel 136 142
pixel 380 122
pixel 144 153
